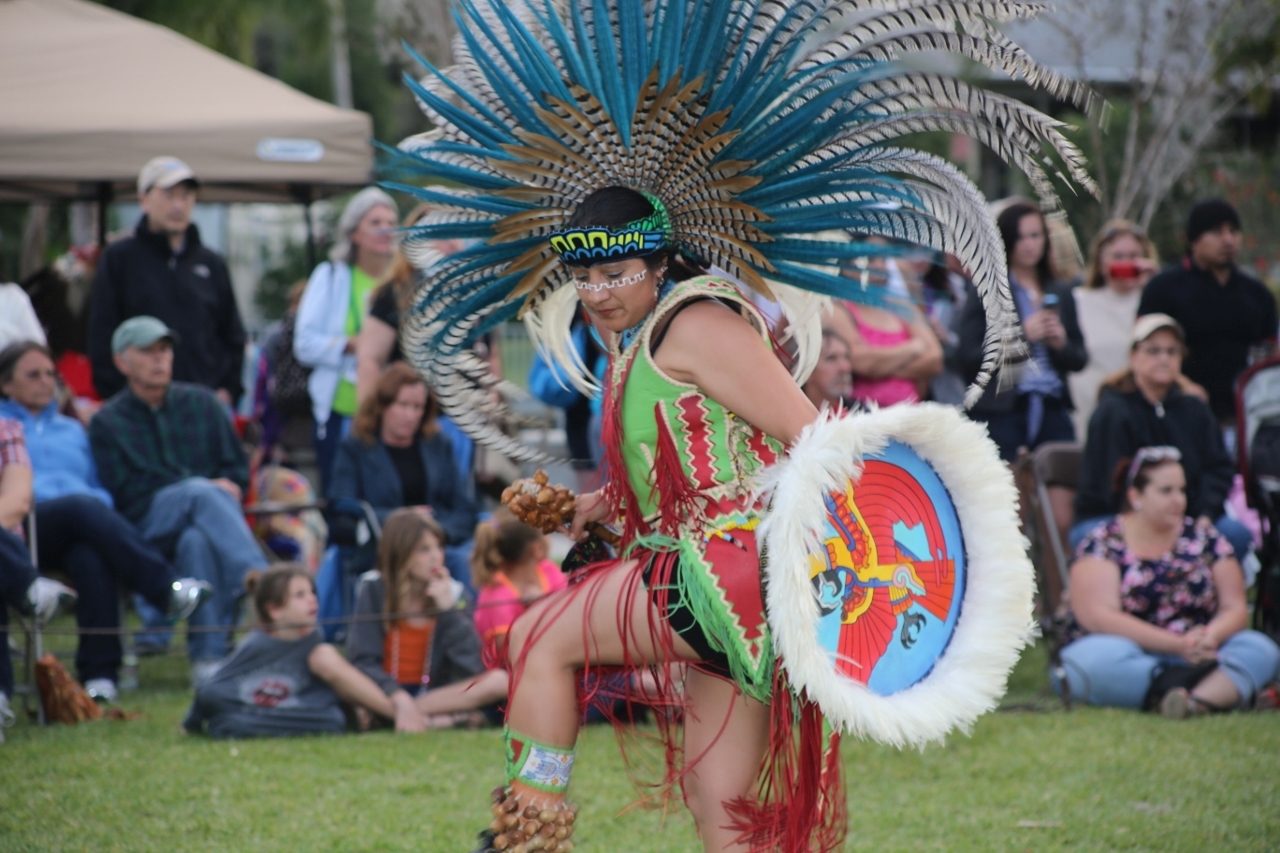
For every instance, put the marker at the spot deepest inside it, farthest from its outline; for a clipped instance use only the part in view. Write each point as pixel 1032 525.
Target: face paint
pixel 609 285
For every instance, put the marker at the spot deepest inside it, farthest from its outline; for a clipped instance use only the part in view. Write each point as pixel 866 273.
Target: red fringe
pixel 678 500
pixel 801 807
pixel 617 488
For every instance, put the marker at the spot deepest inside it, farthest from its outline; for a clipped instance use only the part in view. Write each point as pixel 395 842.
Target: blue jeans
pixel 213 544
pixel 1234 532
pixel 1103 669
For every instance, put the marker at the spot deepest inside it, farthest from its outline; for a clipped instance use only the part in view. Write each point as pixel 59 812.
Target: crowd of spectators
pixel 147 496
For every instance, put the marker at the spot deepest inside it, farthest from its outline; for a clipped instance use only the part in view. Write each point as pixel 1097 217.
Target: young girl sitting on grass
pixel 413 633
pixel 510 570
pixel 283 679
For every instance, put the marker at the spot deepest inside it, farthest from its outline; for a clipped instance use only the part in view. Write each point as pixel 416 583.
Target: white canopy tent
pixel 88 95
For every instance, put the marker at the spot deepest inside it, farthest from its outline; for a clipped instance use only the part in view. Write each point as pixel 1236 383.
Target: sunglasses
pixel 1151 456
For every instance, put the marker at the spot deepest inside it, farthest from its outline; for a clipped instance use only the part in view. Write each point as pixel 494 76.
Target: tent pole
pixel 104 201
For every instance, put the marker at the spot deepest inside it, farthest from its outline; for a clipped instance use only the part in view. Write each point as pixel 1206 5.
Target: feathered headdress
pixel 761 125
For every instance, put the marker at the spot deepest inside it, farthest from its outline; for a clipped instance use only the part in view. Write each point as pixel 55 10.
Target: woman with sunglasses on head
pixel 1158 606
pixel 1145 406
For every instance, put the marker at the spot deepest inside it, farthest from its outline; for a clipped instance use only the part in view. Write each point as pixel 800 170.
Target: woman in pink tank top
pixel 891 358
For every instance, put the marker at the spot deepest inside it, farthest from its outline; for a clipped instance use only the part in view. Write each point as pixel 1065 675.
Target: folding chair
pixel 33 644
pixel 1047 481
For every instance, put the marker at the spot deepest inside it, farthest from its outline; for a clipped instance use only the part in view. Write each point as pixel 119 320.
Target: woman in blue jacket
pixel 77 531
pixel 398 456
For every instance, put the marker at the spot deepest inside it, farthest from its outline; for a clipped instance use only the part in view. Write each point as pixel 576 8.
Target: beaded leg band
pixel 518 828
pixel 537 765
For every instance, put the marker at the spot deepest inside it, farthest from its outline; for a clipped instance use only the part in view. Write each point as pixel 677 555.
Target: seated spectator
pixel 283 679
pixel 509 567
pixel 831 382
pixel 21 586
pixel 78 533
pixel 1228 316
pixel 167 453
pixel 893 351
pixel 1145 407
pixel 332 312
pixel 1121 260
pixel 1158 605
pixel 397 456
pixel 425 645
pixel 1036 408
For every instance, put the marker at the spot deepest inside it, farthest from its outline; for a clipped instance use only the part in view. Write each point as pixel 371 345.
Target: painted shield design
pixel 898 589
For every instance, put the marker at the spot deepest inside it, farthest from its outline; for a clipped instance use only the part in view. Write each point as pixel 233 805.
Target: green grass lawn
pixel 1044 780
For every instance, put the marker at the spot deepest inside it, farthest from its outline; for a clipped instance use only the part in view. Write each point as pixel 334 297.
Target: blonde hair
pixel 500 541
pixel 401 534
pixel 1113 230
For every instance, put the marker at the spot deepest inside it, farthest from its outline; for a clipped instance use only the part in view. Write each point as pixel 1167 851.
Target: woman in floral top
pixel 1153 589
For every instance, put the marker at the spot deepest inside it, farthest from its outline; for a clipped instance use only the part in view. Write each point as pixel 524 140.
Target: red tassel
pixel 801 807
pixel 678 500
pixel 617 486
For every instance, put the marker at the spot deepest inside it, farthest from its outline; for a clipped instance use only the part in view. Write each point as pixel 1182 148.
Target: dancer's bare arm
pixel 709 345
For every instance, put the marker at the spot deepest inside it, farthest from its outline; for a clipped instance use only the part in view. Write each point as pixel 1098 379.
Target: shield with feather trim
pixel 897 584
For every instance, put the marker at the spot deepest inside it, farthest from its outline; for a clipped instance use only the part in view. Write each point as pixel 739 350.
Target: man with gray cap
pixel 1223 312
pixel 168 455
pixel 164 270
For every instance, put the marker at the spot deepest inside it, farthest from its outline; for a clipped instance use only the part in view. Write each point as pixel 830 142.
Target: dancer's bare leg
pixel 550 642
pixel 725 738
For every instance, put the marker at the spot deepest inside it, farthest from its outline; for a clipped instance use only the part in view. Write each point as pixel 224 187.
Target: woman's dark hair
pixel 1121 482
pixel 271 588
pixel 13 353
pixel 1008 221
pixel 613 207
pixel 367 423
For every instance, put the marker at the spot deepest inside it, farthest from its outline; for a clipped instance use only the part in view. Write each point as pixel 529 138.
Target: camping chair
pixel 33 644
pixel 1047 479
pixel 354 531
pixel 1258 407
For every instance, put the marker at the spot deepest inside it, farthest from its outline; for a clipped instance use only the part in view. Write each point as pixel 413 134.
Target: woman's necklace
pixel 626 336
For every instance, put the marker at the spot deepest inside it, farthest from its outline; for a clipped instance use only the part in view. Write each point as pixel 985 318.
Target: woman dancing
pixel 606 155
pixel 696 395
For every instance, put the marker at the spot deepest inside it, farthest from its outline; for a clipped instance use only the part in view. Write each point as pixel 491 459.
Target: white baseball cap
pixel 164 172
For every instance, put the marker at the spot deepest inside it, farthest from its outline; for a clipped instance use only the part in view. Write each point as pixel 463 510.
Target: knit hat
pixel 1210 215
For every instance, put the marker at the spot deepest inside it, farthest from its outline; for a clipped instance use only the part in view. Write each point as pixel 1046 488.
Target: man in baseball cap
pixel 164 271
pixel 140 332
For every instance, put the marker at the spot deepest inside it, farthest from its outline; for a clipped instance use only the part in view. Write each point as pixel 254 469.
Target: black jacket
pixel 1221 322
pixel 190 292
pixel 1125 422
pixel 973 328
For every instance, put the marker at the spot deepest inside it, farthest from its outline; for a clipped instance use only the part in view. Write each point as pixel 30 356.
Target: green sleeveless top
pixel 690 467
pixel 709 452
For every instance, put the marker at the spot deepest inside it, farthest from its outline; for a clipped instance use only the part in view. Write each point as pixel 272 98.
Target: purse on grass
pixel 62 697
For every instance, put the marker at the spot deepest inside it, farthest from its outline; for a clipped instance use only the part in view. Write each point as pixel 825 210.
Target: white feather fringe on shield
pixel 995 620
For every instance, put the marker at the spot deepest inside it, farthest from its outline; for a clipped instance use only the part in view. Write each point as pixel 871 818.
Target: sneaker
pixel 46 597
pixel 188 593
pixel 203 670
pixel 102 690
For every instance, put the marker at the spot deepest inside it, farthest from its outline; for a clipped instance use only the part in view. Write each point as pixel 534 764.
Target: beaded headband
pixel 580 247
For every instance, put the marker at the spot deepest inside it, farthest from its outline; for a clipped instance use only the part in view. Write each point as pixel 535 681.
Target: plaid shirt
pixel 13 451
pixel 13 444
pixel 140 450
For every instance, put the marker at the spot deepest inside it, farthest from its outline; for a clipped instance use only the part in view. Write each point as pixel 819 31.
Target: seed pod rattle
pixel 545 507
